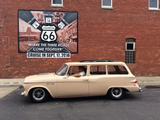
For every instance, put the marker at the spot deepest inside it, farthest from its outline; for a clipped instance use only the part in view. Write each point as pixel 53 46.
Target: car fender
pixel 40 86
pixel 117 87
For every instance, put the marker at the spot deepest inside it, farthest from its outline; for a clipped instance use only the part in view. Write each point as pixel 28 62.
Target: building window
pixel 130 51
pixel 106 4
pixel 57 3
pixel 153 4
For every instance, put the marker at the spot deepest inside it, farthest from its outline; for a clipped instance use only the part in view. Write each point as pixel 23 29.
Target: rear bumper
pixel 140 89
pixel 134 88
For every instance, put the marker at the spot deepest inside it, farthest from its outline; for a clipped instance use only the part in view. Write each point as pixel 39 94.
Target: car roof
pixel 94 62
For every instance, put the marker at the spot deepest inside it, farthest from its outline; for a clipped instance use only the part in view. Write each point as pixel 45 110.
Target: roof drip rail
pixel 99 61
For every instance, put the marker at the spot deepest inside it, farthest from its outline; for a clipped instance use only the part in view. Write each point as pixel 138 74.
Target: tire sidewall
pixel 116 97
pixel 38 100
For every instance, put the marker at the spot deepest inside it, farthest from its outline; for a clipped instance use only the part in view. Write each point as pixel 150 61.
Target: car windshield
pixel 62 71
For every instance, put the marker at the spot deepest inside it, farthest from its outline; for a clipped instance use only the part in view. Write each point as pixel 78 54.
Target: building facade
pixel 126 31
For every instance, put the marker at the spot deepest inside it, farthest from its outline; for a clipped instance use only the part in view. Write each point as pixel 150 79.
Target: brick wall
pixel 101 34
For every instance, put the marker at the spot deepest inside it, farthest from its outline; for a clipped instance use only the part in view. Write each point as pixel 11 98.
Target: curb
pixel 155 80
pixel 11 82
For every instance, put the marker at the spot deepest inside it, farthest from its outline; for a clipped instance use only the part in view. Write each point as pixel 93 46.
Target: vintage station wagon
pixel 79 79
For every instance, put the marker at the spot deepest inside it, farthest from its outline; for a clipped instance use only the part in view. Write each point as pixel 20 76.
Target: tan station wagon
pixel 80 79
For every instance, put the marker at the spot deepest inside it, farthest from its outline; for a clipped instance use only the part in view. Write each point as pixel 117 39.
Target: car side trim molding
pixel 39 82
pixel 56 82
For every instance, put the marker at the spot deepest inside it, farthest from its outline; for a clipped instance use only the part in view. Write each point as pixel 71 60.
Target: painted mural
pixel 47 34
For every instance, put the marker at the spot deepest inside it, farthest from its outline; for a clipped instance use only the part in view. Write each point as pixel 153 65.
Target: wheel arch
pixel 123 88
pixel 39 86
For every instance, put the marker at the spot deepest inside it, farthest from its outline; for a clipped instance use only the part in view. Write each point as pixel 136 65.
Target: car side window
pixel 98 70
pixel 77 70
pixel 116 69
pixel 62 71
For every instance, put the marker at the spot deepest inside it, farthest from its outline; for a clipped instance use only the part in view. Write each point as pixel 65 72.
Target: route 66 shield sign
pixel 48 33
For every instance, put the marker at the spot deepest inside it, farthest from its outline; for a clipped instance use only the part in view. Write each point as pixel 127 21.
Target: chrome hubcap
pixel 38 94
pixel 116 92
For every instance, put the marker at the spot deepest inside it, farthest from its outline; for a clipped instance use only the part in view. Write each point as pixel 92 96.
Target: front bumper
pixel 22 93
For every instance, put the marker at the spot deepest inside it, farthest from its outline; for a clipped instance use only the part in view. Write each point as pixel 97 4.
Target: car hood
pixel 40 77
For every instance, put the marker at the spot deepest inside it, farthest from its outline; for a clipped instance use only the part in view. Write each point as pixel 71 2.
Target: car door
pixel 97 80
pixel 71 86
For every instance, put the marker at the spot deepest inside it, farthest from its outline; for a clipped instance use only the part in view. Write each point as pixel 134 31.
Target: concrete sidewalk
pixel 149 80
pixel 12 82
pixel 9 85
pixel 19 81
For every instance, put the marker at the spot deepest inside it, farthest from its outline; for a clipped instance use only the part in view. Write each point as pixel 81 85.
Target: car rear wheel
pixel 116 93
pixel 38 95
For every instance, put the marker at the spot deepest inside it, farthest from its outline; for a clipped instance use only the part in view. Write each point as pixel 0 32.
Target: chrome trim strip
pixel 115 76
pixel 71 81
pixel 57 82
pixel 39 82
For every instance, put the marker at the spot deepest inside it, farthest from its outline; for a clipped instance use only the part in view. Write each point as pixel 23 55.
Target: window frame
pixel 130 43
pixel 153 8
pixel 56 5
pixel 98 68
pixel 105 6
pixel 130 55
pixel 58 72
pixel 70 69
pixel 117 67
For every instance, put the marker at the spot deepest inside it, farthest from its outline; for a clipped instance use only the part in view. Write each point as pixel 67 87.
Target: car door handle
pixel 85 80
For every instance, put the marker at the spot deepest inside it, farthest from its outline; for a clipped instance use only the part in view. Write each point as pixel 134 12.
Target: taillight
pixel 134 81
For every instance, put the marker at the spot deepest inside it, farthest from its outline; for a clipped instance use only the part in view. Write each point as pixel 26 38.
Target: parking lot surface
pixel 139 106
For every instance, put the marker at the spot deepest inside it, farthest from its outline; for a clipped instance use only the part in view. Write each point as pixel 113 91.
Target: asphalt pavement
pixel 135 106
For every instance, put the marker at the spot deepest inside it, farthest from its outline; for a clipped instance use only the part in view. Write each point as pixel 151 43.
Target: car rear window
pixel 116 69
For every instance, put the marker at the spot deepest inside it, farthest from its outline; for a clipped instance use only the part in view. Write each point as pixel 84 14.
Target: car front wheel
pixel 38 95
pixel 116 93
